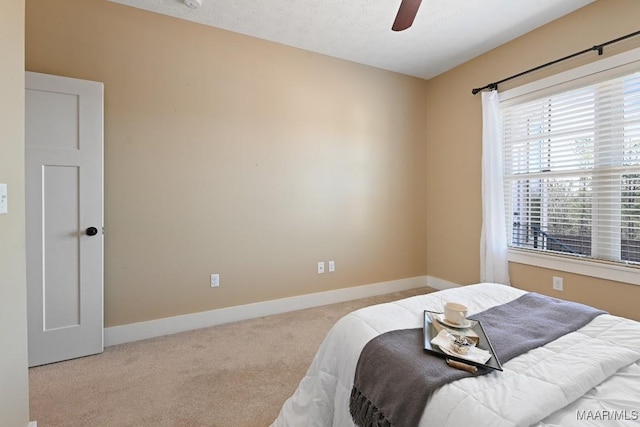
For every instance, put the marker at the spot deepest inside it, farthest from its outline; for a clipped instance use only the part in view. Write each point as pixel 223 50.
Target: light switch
pixel 3 199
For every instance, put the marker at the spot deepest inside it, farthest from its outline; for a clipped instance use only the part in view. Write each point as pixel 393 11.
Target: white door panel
pixel 61 287
pixel 64 186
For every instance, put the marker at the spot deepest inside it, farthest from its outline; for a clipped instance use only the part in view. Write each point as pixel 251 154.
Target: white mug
pixel 455 313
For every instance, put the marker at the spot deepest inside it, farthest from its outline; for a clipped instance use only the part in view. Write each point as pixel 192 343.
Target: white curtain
pixel 494 265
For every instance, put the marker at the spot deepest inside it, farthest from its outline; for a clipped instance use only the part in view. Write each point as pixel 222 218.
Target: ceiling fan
pixel 406 14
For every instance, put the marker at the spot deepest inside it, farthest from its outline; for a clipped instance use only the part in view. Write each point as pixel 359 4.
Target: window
pixel 572 170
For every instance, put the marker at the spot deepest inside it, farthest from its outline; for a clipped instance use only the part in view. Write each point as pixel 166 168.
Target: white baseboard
pixel 33 424
pixel 440 284
pixel 171 325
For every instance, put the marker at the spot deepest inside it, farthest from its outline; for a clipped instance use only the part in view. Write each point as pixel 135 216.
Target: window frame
pixel 603 69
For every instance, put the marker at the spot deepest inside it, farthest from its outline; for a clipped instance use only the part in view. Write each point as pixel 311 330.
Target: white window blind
pixel 572 171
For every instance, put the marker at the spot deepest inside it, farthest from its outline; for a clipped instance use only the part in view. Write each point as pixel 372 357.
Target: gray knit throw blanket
pixel 395 375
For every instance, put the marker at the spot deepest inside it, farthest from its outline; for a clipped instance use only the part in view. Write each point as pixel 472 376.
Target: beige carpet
pixel 231 375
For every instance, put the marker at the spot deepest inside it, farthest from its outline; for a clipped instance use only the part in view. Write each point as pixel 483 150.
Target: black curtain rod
pixel 599 48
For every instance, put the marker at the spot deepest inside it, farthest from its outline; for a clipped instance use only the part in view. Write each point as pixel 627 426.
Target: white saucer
pixel 463 325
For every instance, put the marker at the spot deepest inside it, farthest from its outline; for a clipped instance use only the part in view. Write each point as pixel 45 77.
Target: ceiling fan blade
pixel 406 14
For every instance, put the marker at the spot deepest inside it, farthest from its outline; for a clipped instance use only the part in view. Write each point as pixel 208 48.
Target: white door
pixel 64 217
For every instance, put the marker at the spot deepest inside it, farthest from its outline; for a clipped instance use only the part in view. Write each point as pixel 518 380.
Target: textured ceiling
pixel 445 33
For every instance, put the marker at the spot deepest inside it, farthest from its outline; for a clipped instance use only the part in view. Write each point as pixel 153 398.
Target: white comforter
pixel 588 377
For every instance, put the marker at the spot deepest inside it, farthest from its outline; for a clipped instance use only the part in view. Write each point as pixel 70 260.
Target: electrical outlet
pixel 320 267
pixel 558 283
pixel 3 199
pixel 332 266
pixel 215 280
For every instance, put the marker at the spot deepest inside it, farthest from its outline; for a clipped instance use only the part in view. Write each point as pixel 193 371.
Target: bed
pixel 587 377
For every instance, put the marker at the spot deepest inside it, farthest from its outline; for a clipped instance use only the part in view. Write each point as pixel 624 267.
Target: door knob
pixel 92 231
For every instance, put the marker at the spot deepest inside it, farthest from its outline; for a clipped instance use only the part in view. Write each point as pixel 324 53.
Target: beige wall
pixel 14 392
pixel 454 149
pixel 227 154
